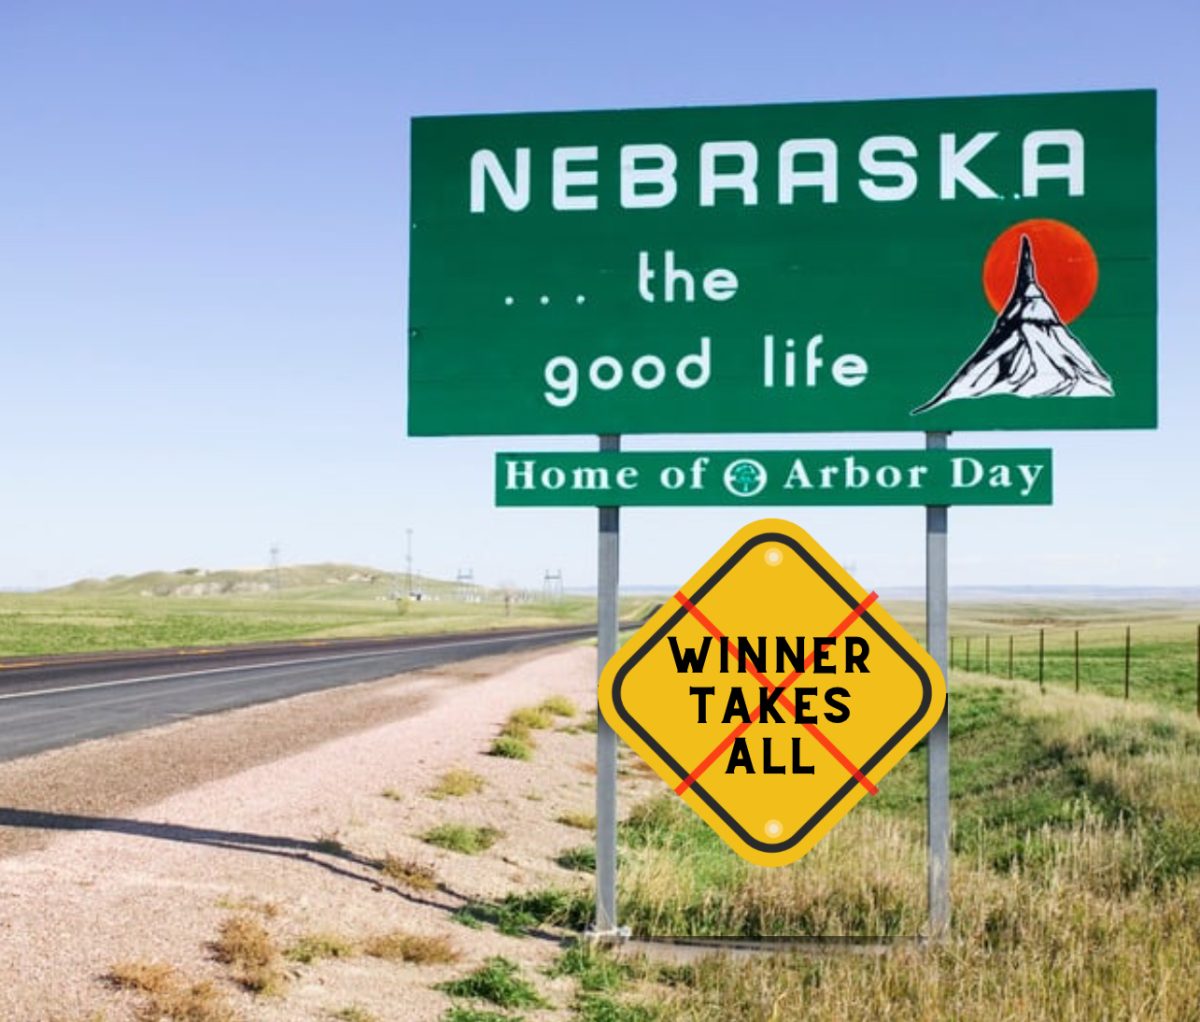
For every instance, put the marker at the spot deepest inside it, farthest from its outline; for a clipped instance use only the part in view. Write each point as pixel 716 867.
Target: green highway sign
pixel 927 265
pixel 814 478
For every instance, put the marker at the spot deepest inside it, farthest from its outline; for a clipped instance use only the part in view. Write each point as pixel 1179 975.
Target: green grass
pixel 581 859
pixel 600 979
pixel 1014 783
pixel 515 740
pixel 458 1013
pixel 498 981
pixel 603 1008
pixel 1076 881
pixel 593 968
pixel 460 837
pixel 154 610
pixel 529 718
pixel 559 706
pixel 508 747
pixel 520 914
pixel 1163 647
pixel 516 731
pixel 1033 778
pixel 329 843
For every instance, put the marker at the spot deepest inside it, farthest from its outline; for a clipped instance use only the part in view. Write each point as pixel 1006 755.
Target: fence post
pixel 968 667
pixel 1010 656
pixel 1198 670
pixel 1127 661
pixel 987 654
pixel 1076 659
pixel 952 652
pixel 1042 660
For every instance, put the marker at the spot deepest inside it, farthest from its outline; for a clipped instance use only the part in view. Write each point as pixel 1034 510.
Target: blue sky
pixel 203 264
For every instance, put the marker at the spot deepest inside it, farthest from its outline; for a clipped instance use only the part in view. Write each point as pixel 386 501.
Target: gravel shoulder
pixel 139 848
pixel 113 775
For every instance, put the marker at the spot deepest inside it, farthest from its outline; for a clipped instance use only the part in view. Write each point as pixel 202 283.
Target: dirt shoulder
pixel 280 811
pixel 114 775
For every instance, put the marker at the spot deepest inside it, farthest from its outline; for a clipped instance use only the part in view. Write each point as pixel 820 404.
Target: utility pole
pixel 552 585
pixel 465 578
pixel 275 579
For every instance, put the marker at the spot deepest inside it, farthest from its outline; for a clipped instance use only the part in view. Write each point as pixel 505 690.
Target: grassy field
pixel 1163 647
pixel 1076 882
pixel 191 608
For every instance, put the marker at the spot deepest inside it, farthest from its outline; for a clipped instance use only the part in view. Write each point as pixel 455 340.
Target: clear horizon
pixel 980 591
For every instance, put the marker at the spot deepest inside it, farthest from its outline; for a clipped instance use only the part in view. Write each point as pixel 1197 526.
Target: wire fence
pixel 1157 664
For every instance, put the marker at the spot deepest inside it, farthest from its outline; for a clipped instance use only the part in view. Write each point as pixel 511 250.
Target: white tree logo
pixel 745 477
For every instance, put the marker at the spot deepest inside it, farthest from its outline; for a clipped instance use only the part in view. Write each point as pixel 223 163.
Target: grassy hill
pixel 195 607
pixel 315 581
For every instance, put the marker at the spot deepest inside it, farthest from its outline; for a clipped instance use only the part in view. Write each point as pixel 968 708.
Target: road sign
pixel 675 479
pixel 929 265
pixel 772 692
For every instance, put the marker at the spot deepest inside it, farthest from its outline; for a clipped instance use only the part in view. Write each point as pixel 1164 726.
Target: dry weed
pixel 409 947
pixel 169 997
pixel 247 948
pixel 417 876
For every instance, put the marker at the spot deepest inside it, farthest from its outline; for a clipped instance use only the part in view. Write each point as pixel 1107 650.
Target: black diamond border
pixel 851 603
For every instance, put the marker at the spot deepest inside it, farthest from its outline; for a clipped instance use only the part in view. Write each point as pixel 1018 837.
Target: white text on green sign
pixel 659 478
pixel 925 265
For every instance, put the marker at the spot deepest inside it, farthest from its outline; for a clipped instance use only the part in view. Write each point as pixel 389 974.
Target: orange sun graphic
pixel 1065 263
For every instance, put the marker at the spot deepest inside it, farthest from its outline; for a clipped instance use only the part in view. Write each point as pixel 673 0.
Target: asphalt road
pixel 51 702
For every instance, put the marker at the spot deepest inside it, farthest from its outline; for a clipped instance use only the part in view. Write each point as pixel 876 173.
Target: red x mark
pixel 741 729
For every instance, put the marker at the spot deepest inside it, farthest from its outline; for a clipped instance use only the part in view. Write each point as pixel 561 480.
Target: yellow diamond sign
pixel 772 692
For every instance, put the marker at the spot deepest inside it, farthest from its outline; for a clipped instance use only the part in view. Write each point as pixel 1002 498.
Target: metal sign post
pixel 608 565
pixel 937 602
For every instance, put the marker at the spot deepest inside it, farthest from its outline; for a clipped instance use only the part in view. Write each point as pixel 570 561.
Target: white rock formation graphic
pixel 1029 353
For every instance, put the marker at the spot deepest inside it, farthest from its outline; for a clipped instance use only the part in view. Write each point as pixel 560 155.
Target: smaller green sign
pixel 730 478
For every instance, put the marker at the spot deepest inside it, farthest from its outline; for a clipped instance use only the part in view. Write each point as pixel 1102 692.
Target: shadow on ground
pixel 326 855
